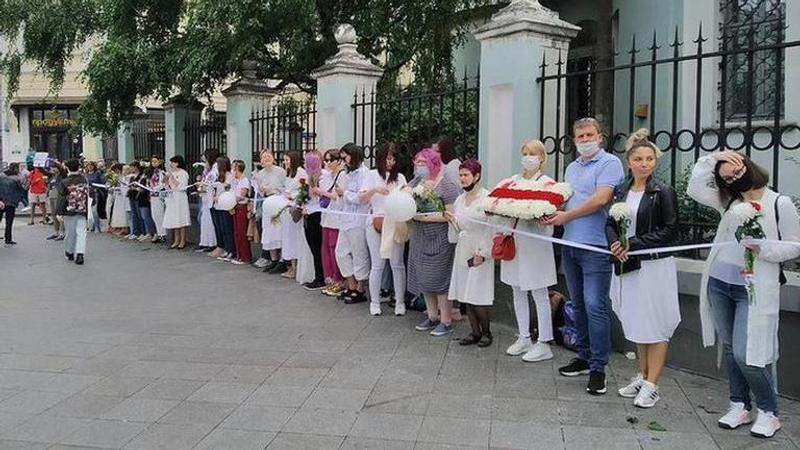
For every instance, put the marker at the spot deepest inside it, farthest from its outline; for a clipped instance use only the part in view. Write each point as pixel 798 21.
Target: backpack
pixel 77 198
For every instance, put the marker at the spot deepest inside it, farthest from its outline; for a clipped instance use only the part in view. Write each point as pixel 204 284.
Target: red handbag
pixel 504 248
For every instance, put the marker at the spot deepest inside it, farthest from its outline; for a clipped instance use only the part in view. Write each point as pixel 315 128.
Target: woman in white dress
pixel 472 279
pixel 533 269
pixel 267 182
pixel 290 245
pixel 176 214
pixel 208 234
pixel 157 187
pixel 380 181
pixel 119 218
pixel 644 289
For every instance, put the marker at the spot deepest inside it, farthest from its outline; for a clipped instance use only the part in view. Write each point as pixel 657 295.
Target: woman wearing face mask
pixel 472 279
pixel 747 330
pixel 430 260
pixel 176 215
pixel 381 181
pixel 533 269
pixel 333 176
pixel 352 254
pixel 644 293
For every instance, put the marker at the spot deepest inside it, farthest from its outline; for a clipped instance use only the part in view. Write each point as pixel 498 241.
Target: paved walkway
pixel 145 348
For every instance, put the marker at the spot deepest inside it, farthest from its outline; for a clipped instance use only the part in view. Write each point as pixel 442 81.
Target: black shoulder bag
pixel 781 275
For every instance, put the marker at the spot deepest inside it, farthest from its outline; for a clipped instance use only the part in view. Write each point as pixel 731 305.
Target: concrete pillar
pixel 337 80
pixel 513 44
pixel 175 112
pixel 125 142
pixel 242 97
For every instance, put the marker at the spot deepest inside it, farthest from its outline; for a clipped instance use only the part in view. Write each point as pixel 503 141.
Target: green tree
pixel 160 48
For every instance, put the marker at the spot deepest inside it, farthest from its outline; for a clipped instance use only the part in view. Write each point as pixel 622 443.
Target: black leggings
pixel 9 212
pixel 479 319
pixel 314 239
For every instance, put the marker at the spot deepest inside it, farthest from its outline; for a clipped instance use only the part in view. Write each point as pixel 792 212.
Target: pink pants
pixel 329 266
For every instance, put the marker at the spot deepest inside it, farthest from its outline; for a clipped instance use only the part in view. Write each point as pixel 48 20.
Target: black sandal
pixel 355 297
pixel 486 340
pixel 470 339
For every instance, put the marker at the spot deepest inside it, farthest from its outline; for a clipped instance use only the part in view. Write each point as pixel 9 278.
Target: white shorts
pixel 36 198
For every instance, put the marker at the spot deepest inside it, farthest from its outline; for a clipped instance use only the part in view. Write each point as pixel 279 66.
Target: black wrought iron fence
pixel 148 138
pixel 412 117
pixel 286 125
pixel 204 131
pixel 686 120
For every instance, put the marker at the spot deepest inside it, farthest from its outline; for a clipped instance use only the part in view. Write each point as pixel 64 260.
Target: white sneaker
pixel 632 389
pixel 227 257
pixel 648 395
pixel 766 425
pixel 539 352
pixel 737 415
pixel 400 309
pixel 261 263
pixel 375 308
pixel 522 345
pixel 144 237
pixel 133 237
pixel 238 262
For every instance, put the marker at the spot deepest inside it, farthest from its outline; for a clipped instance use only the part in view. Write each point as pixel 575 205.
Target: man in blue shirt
pixel 593 177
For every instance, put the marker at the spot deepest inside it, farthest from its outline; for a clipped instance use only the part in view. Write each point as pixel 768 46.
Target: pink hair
pixel 313 164
pixel 432 159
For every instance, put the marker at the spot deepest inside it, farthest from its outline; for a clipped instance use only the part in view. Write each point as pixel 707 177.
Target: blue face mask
pixel 422 171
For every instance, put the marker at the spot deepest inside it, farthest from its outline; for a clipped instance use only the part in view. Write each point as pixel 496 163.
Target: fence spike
pixel 654 46
pixel 700 39
pixel 676 42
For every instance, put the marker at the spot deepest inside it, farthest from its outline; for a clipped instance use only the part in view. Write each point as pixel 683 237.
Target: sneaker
pixel 442 330
pixel 766 425
pixel 355 297
pixel 238 262
pixel 278 268
pixel 69 256
pixel 59 238
pixel 576 367
pixel 737 415
pixel 632 389
pixel 399 309
pixel 648 395
pixel 314 285
pixel 375 308
pixel 52 237
pixel 143 238
pixel 227 257
pixel 261 263
pixel 597 383
pixel 539 352
pixel 427 325
pixel 520 346
pixel 79 259
pixel 200 249
pixel 133 237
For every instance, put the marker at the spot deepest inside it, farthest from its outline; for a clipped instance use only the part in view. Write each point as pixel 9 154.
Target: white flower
pixel 620 212
pixel 419 190
pixel 198 164
pixel 745 211
pixel 562 188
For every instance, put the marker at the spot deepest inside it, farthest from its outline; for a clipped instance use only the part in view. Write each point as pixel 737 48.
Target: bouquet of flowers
pixel 527 199
pixel 302 196
pixel 197 171
pixel 747 215
pixel 427 200
pixel 621 214
pixel 112 179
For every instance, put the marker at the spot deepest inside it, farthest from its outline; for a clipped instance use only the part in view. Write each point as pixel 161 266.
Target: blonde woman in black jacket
pixel 644 290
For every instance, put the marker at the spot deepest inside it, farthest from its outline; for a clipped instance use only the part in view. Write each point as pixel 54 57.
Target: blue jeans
pixel 137 224
pixel 147 219
pixel 729 305
pixel 588 280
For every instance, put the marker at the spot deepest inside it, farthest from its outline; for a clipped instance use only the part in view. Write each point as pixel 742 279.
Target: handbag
pixel 324 201
pixel 377 223
pixel 296 213
pixel 781 275
pixel 504 248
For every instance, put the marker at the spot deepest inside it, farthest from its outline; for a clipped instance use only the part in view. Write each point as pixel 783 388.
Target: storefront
pixel 55 130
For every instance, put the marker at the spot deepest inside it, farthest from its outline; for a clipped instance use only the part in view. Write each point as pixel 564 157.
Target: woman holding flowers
pixel 644 290
pixel 533 269
pixel 382 180
pixel 430 260
pixel 740 288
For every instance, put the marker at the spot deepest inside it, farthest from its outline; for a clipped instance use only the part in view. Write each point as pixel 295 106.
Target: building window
pixel 765 19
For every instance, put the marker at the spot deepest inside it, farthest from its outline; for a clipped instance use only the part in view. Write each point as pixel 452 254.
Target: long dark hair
pixel 727 195
pixel 386 150
pixel 447 148
pixel 356 155
pixel 178 159
pixel 211 155
pixel 223 168
pixel 295 161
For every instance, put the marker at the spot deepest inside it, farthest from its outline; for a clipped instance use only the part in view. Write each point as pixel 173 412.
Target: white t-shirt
pixel 374 179
pixel 237 185
pixel 633 200
pixel 326 181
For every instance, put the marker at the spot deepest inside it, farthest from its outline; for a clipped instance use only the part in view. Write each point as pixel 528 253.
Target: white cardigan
pixel 762 318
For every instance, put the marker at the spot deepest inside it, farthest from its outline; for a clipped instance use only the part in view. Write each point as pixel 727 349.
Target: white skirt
pixel 176 213
pixel 646 301
pixel 290 248
pixel 270 233
pixel 119 217
pixel 208 237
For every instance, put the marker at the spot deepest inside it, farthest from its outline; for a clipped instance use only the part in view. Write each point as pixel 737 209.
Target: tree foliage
pixel 160 48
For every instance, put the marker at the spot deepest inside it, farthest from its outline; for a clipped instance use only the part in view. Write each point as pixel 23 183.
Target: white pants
pixel 543 313
pixel 352 253
pixel 75 234
pixel 378 264
pixel 157 210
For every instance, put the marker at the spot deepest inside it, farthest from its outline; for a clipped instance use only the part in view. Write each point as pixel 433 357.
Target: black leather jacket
pixel 656 220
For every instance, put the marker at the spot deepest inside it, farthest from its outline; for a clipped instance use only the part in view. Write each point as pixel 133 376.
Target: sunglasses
pixel 331 159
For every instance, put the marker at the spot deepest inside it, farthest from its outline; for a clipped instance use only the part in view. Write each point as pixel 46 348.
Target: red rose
pixel 756 206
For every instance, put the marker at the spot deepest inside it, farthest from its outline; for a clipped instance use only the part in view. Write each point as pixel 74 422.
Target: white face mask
pixel 530 162
pixel 588 148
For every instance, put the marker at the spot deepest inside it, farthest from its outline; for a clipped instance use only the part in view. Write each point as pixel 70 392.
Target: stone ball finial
pixel 345 34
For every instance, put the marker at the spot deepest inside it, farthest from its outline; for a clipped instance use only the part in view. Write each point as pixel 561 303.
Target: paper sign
pixel 40 159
